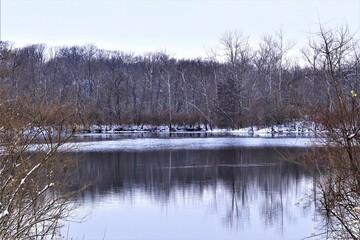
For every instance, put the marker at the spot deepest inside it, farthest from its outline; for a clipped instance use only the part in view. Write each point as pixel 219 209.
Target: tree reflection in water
pixel 244 187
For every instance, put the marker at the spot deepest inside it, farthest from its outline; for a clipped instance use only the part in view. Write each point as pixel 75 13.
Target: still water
pixel 220 193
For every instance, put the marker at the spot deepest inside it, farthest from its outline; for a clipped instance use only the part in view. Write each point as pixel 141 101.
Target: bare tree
pixel 237 52
pixel 329 56
pixel 270 63
pixel 32 204
pixel 338 188
pixel 166 74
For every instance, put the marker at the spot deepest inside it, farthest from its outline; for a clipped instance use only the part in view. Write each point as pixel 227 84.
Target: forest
pixel 237 86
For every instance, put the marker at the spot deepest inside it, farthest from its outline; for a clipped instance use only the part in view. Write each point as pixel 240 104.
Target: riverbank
pixel 299 127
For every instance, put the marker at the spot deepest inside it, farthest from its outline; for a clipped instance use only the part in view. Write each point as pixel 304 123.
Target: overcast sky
pixel 183 28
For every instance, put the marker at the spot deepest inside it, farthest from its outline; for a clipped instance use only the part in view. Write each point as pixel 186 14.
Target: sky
pixel 182 28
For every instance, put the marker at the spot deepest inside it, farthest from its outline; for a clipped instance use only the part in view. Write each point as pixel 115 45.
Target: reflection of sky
pixel 145 144
pixel 214 212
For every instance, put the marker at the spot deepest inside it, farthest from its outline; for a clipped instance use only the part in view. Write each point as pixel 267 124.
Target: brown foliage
pixel 31 132
pixel 337 190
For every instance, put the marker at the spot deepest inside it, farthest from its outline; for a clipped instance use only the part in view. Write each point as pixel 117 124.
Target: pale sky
pixel 184 28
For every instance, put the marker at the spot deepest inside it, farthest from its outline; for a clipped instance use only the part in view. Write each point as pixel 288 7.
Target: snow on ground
pixel 292 127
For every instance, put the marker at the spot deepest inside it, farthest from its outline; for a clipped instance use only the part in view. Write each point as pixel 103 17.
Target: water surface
pixel 220 193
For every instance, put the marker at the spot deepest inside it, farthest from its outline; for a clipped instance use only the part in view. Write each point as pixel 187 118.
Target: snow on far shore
pixel 132 138
pixel 246 137
pixel 299 127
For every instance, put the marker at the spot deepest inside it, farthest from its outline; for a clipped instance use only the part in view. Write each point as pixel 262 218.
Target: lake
pixel 206 190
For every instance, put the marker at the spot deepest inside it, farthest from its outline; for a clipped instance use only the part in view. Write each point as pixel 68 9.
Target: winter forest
pixel 49 93
pixel 236 86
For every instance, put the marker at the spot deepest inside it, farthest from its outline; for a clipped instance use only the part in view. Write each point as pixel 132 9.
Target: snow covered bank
pixel 146 138
pixel 142 128
pixel 299 127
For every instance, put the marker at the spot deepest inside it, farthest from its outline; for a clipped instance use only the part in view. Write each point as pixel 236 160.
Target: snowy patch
pixel 142 128
pixel 4 213
pixel 296 127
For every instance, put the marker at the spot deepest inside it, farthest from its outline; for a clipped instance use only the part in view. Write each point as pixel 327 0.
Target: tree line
pixel 248 86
